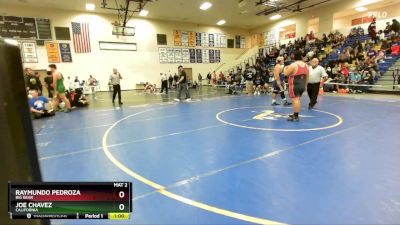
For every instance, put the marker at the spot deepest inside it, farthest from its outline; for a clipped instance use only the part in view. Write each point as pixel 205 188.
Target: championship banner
pixel 170 55
pixel 223 41
pixel 185 56
pixel 261 40
pixel 192 53
pixel 242 42
pixel 192 39
pixel 260 52
pixel 206 56
pixel 199 56
pixel 198 39
pixel 162 53
pixel 266 36
pixel 217 56
pixel 290 35
pixel 211 56
pixel 271 37
pixel 237 41
pixel 53 52
pixel 178 55
pixel 28 51
pixel 211 40
pixel 21 52
pixel 185 38
pixel 204 40
pixel 217 41
pixel 65 50
pixel 177 38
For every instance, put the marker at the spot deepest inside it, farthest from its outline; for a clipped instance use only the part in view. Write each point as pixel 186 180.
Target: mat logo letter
pixel 267 115
pixel 271 115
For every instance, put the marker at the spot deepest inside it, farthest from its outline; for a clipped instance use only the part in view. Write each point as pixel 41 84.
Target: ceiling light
pixel 205 6
pixel 143 12
pixel 275 17
pixel 361 9
pixel 367 2
pixel 90 6
pixel 11 41
pixel 221 22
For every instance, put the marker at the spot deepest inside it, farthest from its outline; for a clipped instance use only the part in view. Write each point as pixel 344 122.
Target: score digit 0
pixel 121 194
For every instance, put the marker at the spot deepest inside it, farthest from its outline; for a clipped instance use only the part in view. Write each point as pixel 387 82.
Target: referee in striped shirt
pixel 317 73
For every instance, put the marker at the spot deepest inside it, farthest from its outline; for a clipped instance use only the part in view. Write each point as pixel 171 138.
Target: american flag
pixel 80 32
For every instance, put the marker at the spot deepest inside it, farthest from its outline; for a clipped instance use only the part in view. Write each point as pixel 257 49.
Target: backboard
pixel 123 31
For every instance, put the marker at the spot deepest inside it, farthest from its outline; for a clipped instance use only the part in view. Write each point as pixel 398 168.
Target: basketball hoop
pixel 125 13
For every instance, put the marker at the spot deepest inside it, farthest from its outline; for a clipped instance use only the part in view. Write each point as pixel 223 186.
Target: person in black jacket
pixel 49 84
pixel 32 80
pixel 170 80
pixel 209 78
pixel 395 26
pixel 176 77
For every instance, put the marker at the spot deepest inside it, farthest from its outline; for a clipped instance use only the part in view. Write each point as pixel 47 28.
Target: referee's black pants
pixel 313 91
pixel 164 85
pixel 116 90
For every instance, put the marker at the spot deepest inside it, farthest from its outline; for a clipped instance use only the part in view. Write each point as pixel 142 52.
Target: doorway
pixel 42 75
pixel 189 74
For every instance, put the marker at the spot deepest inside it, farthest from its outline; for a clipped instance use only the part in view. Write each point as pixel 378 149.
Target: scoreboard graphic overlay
pixel 60 200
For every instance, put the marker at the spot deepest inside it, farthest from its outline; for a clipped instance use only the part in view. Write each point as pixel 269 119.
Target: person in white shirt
pixel 115 80
pixel 317 73
pixel 164 83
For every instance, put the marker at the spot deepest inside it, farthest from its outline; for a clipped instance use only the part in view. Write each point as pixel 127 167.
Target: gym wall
pixel 140 66
pixel 327 20
pixel 343 25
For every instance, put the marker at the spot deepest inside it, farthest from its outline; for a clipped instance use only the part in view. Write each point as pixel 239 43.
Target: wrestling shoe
pixel 293 119
pixel 287 103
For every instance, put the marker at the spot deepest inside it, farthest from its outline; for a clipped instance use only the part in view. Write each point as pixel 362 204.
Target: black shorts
pixel 297 85
pixel 276 87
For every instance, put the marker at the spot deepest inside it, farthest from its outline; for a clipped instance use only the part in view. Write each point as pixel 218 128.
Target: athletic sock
pixel 273 101
pixel 296 115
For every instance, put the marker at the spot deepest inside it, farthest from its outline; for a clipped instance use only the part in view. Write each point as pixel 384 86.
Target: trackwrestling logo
pixel 271 115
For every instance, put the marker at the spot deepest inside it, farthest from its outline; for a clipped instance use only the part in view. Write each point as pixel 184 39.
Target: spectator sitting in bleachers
pixel 235 85
pixel 355 78
pixel 360 31
pixel 353 32
pixel 387 29
pixel 395 27
pixel 371 53
pixel 258 85
pixel 368 78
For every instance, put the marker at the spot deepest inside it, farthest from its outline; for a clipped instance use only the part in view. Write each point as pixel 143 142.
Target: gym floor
pixel 233 159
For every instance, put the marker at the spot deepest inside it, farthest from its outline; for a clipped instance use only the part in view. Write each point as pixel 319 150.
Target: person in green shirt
pixel 59 88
